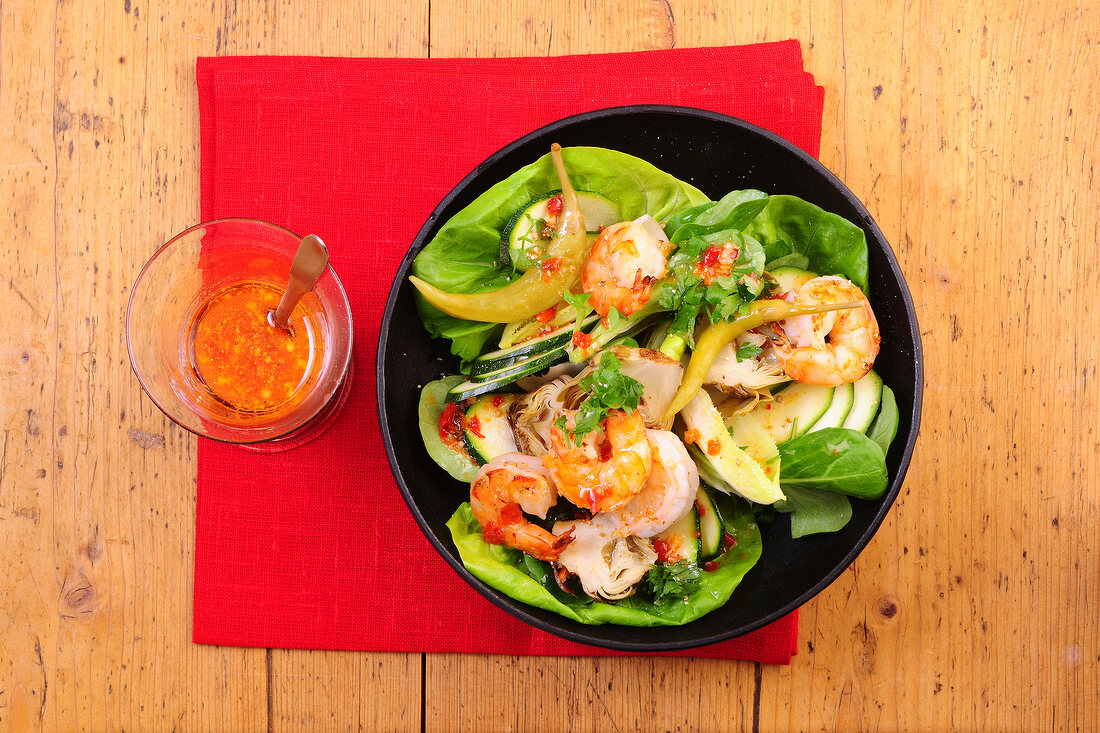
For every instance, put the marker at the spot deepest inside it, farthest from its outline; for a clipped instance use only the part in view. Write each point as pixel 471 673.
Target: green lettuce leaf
pixel 840 460
pixel 433 398
pixel 530 581
pixel 464 256
pixel 799 234
pixel 885 427
pixel 813 511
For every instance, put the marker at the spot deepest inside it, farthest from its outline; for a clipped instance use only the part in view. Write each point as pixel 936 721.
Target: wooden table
pixel 969 132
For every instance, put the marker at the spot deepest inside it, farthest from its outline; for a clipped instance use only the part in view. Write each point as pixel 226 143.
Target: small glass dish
pixel 169 319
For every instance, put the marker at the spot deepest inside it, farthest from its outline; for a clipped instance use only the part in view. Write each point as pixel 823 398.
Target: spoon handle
pixel 309 262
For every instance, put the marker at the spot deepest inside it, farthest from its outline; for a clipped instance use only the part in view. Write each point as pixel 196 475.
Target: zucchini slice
pixel 522 368
pixel 496 361
pixel 500 379
pixel 867 394
pixel 795 409
pixel 680 541
pixel 488 429
pixel 711 527
pixel 522 243
pixel 838 409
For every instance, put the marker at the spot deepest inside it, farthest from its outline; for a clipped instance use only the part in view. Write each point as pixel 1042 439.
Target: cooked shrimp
pixel 829 348
pixel 668 494
pixel 623 264
pixel 502 491
pixel 607 469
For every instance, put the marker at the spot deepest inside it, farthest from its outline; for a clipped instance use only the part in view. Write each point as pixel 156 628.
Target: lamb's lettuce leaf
pixel 840 460
pixel 530 581
pixel 813 511
pixel 464 256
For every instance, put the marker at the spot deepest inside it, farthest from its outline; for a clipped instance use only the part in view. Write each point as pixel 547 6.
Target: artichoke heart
pixel 608 565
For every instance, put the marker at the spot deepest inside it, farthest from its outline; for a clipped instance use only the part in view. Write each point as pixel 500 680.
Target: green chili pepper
pixel 717 335
pixel 539 287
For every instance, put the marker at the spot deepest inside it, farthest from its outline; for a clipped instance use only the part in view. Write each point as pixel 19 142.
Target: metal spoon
pixel 309 262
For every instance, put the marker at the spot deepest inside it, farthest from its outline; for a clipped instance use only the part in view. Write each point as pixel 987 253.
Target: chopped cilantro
pixel 673 582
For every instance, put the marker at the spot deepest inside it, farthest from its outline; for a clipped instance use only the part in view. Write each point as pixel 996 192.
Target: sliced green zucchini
pixel 791 278
pixel 497 361
pixel 518 332
pixel 522 243
pixel 488 429
pixel 468 389
pixel 794 410
pixel 711 528
pixel 523 367
pixel 838 409
pixel 499 380
pixel 867 394
pixel 680 541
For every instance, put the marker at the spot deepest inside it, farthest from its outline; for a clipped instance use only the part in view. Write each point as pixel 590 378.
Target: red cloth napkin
pixel 315 548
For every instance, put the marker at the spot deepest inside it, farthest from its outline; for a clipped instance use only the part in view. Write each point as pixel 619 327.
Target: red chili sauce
pixel 245 361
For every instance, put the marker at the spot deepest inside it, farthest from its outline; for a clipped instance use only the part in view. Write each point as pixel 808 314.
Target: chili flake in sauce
pixel 245 361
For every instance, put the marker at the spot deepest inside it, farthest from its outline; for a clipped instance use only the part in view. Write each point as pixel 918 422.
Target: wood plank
pixel 99 487
pixel 463 692
pixel 28 603
pixel 317 690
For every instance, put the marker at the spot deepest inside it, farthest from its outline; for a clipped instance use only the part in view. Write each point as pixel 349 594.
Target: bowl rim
pixel 518 609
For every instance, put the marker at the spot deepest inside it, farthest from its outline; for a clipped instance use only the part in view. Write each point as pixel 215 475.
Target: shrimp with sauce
pixel 624 262
pixel 608 468
pixel 668 494
pixel 829 348
pixel 502 491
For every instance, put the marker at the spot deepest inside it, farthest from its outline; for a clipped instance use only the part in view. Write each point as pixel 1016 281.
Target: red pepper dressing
pixel 244 361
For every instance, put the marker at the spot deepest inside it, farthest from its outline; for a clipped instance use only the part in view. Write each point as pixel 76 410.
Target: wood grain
pixel 969 133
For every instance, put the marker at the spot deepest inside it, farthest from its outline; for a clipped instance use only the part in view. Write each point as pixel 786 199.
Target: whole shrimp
pixel 608 468
pixel 829 348
pixel 624 262
pixel 502 491
pixel 668 494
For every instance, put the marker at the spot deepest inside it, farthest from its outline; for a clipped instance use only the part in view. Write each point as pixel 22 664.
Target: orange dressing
pixel 243 360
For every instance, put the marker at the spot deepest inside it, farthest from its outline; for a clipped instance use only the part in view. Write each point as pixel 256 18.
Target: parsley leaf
pixel 579 301
pixel 748 350
pixel 608 390
pixel 673 582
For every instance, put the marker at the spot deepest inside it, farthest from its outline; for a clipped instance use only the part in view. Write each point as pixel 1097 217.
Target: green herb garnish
pixel 748 350
pixel 673 582
pixel 608 390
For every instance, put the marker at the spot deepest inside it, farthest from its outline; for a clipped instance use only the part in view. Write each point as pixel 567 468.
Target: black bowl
pixel 717 154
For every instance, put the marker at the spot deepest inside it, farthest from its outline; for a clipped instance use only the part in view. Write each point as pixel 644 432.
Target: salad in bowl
pixel 645 378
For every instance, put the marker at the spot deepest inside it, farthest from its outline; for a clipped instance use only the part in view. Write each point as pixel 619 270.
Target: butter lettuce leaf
pixel 433 400
pixel 530 581
pixel 464 256
pixel 797 233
